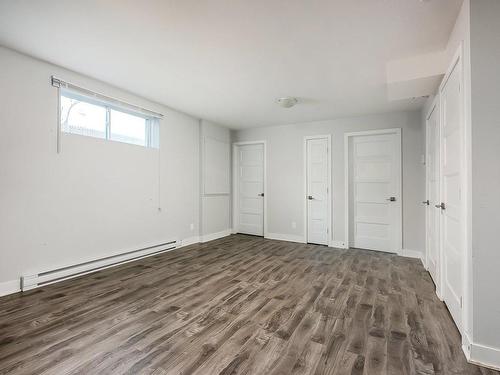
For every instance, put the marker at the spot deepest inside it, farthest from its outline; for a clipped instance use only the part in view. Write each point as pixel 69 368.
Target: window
pixel 84 115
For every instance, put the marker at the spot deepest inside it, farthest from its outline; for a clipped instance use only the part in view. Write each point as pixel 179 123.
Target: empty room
pixel 250 187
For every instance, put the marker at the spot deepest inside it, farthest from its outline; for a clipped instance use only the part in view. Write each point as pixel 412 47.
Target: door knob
pixel 426 202
pixel 310 197
pixel 261 194
pixel 392 199
pixel 441 206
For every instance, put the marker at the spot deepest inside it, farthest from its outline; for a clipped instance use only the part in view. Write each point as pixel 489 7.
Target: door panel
pixel 317 175
pixel 433 195
pixel 375 178
pixel 250 189
pixel 452 224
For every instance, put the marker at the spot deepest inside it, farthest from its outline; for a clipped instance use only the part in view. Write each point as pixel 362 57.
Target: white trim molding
pixel 411 253
pixel 286 237
pixel 188 241
pixel 10 287
pixel 215 236
pixel 338 244
pixel 408 253
pixel 481 355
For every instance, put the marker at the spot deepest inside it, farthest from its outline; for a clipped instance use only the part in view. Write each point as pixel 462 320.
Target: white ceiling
pixel 227 60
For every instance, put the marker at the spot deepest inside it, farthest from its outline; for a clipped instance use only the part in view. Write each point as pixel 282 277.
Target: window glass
pixel 92 117
pixel 83 118
pixel 128 128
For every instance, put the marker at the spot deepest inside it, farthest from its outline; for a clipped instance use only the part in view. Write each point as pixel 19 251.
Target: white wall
pixel 96 197
pixel 485 146
pixel 285 172
pixel 215 180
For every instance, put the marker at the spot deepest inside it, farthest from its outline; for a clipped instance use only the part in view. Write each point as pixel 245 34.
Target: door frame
pixel 435 106
pixel 347 136
pixel 328 137
pixel 235 187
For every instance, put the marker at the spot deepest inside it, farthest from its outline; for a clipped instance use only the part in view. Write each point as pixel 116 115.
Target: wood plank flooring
pixel 238 305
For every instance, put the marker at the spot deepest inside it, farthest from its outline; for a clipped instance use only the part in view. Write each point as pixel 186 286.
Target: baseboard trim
pixel 466 345
pixel 337 244
pixel 285 237
pixel 10 287
pixel 188 241
pixel 482 355
pixel 215 236
pixel 408 253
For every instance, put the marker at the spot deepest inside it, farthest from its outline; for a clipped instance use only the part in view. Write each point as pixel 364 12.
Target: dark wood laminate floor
pixel 239 305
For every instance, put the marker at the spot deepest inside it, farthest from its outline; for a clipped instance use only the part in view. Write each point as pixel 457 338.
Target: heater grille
pixel 64 273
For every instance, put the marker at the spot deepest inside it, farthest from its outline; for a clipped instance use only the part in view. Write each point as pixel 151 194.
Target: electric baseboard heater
pixel 48 277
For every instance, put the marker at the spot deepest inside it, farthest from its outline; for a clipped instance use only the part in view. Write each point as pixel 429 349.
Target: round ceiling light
pixel 287 101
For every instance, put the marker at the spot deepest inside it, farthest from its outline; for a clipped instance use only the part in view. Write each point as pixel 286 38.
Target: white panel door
pixel 251 189
pixel 433 197
pixel 317 191
pixel 452 223
pixel 376 187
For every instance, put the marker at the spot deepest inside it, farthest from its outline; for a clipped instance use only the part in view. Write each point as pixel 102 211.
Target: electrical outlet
pixel 191 227
pixel 294 224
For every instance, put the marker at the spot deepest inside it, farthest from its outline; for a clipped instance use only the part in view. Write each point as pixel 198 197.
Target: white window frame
pixel 148 138
pixel 152 128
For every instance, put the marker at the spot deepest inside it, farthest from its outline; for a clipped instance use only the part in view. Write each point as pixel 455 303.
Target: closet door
pixel 376 191
pixel 433 197
pixel 318 190
pixel 250 219
pixel 451 207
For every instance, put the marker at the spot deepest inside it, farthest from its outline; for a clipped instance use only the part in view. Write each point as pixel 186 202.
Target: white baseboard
pixel 188 241
pixel 412 254
pixel 466 345
pixel 481 355
pixel 215 236
pixel 337 244
pixel 285 237
pixel 9 287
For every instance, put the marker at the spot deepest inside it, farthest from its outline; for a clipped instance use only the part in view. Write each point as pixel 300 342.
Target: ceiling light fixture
pixel 287 101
